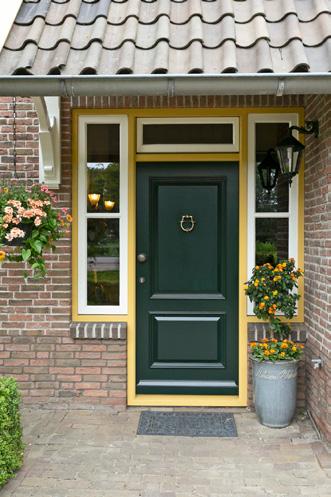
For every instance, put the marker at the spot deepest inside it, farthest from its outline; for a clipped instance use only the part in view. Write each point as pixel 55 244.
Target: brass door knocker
pixel 187 223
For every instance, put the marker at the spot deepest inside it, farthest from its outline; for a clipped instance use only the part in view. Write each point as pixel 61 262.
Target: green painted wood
pixel 187 289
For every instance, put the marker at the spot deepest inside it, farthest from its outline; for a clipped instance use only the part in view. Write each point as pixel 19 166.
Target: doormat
pixel 187 424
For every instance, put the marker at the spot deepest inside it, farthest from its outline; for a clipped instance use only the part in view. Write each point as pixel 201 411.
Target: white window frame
pixel 83 215
pixel 292 214
pixel 188 147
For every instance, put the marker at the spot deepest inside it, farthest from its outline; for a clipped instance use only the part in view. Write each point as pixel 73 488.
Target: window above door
pixel 192 134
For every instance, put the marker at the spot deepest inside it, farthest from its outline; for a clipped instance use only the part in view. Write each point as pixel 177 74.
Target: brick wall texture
pixel 35 342
pixel 317 262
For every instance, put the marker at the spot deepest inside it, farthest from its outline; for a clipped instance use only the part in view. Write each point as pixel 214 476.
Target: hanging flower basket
pixel 29 225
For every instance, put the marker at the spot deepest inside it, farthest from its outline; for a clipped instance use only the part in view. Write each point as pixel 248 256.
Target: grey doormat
pixel 187 424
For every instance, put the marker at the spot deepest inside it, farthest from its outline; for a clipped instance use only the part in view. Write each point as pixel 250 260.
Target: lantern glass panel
pixel 267 137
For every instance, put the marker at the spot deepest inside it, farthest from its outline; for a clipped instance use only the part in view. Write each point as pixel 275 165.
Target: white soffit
pixel 48 110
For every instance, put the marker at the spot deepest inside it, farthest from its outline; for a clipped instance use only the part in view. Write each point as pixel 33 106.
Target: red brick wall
pixel 318 262
pixel 34 319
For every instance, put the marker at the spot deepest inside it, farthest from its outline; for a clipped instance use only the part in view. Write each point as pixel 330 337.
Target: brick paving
pixel 96 453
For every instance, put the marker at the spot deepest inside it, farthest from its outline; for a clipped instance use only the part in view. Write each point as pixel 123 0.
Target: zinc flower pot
pixel 275 385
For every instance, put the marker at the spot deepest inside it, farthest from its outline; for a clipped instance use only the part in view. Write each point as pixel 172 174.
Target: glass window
pixel 271 240
pixel 187 133
pixel 183 134
pixel 267 137
pixel 102 205
pixel 272 217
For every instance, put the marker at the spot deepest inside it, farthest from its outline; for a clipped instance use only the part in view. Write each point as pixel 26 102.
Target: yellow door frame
pixel 134 399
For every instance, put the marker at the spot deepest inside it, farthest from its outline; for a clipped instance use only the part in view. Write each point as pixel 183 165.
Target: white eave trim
pixel 168 84
pixel 8 16
pixel 48 110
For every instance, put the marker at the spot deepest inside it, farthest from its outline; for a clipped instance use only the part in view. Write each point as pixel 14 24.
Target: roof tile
pixel 170 36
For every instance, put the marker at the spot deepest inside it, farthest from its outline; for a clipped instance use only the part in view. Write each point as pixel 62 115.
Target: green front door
pixel 187 278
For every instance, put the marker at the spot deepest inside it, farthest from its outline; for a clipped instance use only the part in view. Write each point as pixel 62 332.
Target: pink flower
pixel 44 188
pixel 28 213
pixel 7 218
pixel 64 210
pixel 9 210
pixel 16 220
pixel 15 233
pixel 37 221
pixel 14 203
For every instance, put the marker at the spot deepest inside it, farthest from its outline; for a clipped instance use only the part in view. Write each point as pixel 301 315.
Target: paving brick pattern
pixel 86 453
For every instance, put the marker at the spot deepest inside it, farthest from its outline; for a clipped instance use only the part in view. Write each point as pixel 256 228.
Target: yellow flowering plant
pixel 276 350
pixel 30 223
pixel 272 289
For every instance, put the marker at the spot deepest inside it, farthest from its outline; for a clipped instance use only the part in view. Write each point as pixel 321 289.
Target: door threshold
pixel 187 400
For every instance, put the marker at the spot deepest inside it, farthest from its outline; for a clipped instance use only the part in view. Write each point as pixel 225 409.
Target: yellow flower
pixel 294 349
pixel 256 283
pixel 257 267
pixel 69 218
pixel 2 256
pixel 266 297
pixel 272 351
pixel 275 293
pixel 284 264
pixel 274 340
pixel 5 190
pixel 253 344
pixel 261 305
pixel 282 354
pixel 284 346
pixel 266 352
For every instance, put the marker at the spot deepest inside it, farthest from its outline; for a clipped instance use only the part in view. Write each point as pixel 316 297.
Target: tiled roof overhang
pixel 73 40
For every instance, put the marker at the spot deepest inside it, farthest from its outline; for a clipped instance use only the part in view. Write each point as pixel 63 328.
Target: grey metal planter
pixel 275 387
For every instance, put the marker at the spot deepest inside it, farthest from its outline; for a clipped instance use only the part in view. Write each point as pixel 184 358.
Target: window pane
pixel 103 261
pixel 178 134
pixel 267 136
pixel 103 158
pixel 271 240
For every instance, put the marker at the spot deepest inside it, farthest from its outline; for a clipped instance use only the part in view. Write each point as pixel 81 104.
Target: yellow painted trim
pixel 191 157
pixel 130 318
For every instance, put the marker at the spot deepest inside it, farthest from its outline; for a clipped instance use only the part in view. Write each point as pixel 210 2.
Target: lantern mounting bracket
pixel 311 127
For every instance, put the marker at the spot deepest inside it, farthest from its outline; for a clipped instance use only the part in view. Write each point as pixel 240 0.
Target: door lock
pixel 142 257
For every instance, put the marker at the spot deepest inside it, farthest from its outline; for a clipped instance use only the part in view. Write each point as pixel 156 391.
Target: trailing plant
pixel 273 289
pixel 30 224
pixel 11 445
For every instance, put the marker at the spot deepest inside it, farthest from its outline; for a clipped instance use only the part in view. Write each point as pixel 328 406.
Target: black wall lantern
pixel 290 151
pixel 268 170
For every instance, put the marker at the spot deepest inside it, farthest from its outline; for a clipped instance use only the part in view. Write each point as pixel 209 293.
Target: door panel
pixel 187 287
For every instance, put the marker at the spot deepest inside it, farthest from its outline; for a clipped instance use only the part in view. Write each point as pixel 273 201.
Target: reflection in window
pixel 103 158
pixel 267 137
pixel 208 133
pixel 103 262
pixel 271 240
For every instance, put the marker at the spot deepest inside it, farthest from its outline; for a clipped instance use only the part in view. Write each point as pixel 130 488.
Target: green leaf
pixel 37 246
pixel 26 253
